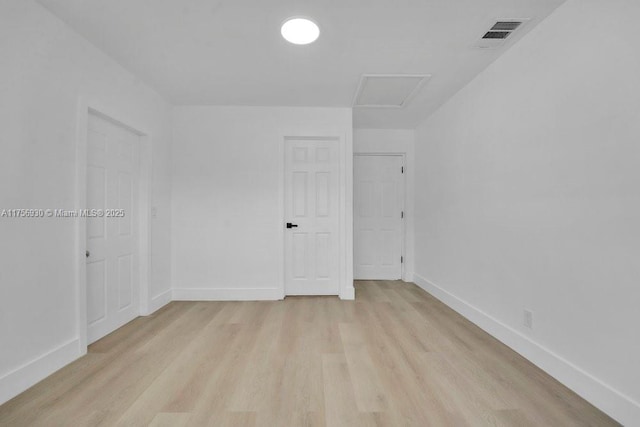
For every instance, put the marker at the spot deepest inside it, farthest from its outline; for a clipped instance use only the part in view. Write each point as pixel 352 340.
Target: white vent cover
pixel 498 34
pixel 388 90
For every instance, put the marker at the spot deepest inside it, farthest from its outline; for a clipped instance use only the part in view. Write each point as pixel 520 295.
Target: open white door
pixel 311 216
pixel 378 217
pixel 112 239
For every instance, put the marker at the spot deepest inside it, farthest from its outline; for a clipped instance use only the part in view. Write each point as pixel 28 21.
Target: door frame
pixel 85 108
pixel 346 290
pixel 403 202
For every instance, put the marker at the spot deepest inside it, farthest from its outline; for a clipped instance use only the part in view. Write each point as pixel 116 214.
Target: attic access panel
pixel 388 90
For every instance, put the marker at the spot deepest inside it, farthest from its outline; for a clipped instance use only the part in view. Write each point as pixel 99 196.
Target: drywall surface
pixel 394 141
pixel 47 69
pixel 227 196
pixel 528 197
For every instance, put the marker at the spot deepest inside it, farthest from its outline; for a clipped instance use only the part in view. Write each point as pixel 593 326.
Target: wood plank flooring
pixel 394 357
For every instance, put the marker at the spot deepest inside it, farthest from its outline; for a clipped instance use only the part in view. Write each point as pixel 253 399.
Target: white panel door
pixel 378 217
pixel 311 216
pixel 112 240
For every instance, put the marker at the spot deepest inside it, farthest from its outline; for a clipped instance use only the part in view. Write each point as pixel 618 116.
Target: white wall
pixel 45 69
pixel 227 224
pixel 529 197
pixel 395 141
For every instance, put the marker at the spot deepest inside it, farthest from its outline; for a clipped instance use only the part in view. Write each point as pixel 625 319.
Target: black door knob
pixel 289 225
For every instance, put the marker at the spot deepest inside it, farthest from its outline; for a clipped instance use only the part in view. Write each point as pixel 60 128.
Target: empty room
pixel 319 213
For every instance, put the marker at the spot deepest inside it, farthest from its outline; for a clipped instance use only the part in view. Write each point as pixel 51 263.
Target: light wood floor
pixel 394 357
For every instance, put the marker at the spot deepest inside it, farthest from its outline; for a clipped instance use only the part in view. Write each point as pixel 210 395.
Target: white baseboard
pixel 617 405
pixel 227 294
pixel 159 301
pixel 20 379
pixel 348 294
pixel 408 276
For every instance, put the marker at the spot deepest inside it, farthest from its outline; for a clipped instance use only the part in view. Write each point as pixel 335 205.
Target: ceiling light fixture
pixel 300 31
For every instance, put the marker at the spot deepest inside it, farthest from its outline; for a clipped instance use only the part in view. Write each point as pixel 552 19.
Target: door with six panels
pixel 311 216
pixel 378 216
pixel 112 239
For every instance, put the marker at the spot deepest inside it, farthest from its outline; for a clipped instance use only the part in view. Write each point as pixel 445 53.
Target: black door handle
pixel 289 225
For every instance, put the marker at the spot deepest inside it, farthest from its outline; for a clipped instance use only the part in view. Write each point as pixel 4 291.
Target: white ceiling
pixel 230 52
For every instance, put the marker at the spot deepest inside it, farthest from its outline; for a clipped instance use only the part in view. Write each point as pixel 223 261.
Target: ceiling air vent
pixel 499 33
pixel 388 90
pixel 496 35
pixel 506 25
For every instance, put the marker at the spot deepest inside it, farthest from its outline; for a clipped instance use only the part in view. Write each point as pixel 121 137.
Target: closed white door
pixel 378 217
pixel 311 217
pixel 112 239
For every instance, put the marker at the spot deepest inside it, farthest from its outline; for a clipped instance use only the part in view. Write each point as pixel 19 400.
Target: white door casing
pixel 378 217
pixel 312 207
pixel 112 262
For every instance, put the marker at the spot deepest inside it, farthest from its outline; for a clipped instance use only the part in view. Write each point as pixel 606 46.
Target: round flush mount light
pixel 300 31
